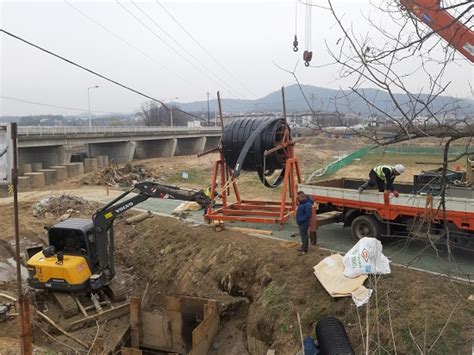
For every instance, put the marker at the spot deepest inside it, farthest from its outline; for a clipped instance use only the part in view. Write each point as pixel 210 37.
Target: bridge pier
pixel 190 146
pixel 119 152
pixel 156 148
pixel 47 155
pixel 211 142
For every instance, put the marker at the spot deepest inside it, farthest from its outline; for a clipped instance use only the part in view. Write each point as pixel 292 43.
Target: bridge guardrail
pixel 69 130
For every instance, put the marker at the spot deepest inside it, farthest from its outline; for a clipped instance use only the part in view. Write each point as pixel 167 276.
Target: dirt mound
pixel 260 285
pixel 115 175
pixel 51 206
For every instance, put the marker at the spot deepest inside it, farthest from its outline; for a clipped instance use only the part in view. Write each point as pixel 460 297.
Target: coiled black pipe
pixel 332 337
pixel 244 142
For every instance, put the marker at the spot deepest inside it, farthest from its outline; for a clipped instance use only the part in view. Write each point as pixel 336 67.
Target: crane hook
pixel 307 56
pixel 295 44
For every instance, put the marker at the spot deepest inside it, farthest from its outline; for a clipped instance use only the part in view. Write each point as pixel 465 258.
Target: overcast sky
pixel 243 37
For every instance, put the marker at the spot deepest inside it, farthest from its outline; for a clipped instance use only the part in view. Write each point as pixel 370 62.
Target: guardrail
pixel 83 130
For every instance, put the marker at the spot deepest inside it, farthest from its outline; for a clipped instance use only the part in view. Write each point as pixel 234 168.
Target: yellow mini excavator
pixel 79 260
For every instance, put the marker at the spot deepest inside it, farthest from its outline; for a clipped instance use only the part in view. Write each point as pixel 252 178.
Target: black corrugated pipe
pixel 332 337
pixel 244 142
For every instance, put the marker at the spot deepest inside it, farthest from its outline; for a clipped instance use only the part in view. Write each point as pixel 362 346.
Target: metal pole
pixel 220 110
pixel 208 111
pixel 25 323
pixel 171 114
pixel 89 102
pixel 283 100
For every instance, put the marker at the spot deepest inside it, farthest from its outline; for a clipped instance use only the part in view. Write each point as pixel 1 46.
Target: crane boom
pixel 451 29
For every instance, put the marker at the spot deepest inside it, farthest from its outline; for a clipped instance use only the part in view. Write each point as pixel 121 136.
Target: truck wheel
pixel 365 226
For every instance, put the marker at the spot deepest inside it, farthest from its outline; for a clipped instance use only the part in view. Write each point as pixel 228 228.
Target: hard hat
pixel 399 168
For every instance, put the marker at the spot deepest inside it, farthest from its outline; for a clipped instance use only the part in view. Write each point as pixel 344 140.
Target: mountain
pixel 322 99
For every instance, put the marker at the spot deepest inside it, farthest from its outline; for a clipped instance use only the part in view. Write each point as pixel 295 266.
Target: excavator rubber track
pixel 116 291
pixel 67 303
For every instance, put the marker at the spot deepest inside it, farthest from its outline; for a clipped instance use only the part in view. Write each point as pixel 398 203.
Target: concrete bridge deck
pixel 55 145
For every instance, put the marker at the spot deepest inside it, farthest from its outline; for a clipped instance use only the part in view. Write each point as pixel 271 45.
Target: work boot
pixel 301 253
pixel 363 187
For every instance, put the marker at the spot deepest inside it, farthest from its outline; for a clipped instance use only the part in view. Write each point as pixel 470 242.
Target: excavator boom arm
pixel 103 220
pixel 451 29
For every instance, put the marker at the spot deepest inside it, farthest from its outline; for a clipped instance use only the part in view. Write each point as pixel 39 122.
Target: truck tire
pixel 365 226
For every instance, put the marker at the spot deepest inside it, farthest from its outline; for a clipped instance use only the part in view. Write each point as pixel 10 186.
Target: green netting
pixel 418 150
pixel 331 168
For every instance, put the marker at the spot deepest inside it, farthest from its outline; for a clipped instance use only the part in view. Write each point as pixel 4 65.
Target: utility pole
pixel 89 101
pixel 171 113
pixel 171 109
pixel 208 111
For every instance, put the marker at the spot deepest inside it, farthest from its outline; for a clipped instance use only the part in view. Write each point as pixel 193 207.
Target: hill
pixel 325 100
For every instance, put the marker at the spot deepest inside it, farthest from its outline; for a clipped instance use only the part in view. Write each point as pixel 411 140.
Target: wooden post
pixel 26 331
pixel 25 317
pixel 134 323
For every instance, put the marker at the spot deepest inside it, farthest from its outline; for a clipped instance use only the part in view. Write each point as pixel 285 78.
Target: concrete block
pixel 71 170
pixel 106 160
pixel 37 179
pixel 79 167
pixel 23 183
pixel 61 172
pixel 49 176
pixel 4 191
pixel 24 168
pixel 90 164
pixel 36 166
pixel 100 161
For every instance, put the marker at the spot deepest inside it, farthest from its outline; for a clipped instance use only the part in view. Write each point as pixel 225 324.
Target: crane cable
pixel 308 54
pixel 295 40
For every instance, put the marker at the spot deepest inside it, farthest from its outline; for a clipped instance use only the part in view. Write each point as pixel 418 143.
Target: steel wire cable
pixel 94 72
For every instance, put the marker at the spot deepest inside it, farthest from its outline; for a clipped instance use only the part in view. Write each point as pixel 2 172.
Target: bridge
pixel 55 145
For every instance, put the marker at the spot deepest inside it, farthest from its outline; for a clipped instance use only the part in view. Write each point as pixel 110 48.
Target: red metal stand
pixel 257 211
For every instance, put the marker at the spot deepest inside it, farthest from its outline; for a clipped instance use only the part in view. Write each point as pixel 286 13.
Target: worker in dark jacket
pixel 383 176
pixel 303 217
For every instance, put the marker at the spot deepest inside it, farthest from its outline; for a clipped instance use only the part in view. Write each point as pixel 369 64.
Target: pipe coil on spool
pixel 244 142
pixel 332 337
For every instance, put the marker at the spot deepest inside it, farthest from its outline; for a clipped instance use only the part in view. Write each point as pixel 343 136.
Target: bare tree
pixel 379 59
pixel 159 115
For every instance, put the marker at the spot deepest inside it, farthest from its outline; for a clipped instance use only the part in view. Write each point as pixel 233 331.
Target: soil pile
pixel 114 175
pixel 261 284
pixel 62 205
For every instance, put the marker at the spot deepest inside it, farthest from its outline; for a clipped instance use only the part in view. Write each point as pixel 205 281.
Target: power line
pixel 54 106
pixel 222 82
pixel 93 72
pixel 154 60
pixel 164 41
pixel 204 48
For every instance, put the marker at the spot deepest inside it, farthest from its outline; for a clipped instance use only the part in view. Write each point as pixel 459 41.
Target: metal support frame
pixel 256 211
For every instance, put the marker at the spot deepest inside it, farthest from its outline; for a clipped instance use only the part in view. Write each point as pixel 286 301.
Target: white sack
pixel 366 258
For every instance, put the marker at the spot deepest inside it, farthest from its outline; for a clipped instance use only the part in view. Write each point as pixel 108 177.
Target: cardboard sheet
pixel 330 272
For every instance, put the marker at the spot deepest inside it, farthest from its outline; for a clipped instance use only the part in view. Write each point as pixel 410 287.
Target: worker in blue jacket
pixel 303 217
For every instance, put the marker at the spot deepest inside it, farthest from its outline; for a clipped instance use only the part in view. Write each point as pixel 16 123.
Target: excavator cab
pixel 69 260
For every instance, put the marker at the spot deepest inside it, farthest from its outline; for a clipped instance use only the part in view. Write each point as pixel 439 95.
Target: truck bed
pixel 343 193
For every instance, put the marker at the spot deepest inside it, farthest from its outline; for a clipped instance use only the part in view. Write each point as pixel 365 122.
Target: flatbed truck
pixel 378 214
